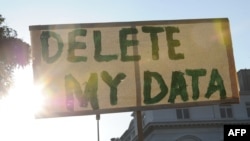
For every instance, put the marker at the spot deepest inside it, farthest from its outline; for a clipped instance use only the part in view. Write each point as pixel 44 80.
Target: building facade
pixel 203 123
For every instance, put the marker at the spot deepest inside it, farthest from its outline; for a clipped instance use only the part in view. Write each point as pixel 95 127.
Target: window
pixel 226 111
pixel 248 108
pixel 182 113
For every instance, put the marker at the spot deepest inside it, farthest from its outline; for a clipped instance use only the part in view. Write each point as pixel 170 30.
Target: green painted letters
pixel 91 91
pixel 72 88
pixel 215 78
pixel 45 46
pixel 124 44
pixel 76 45
pixel 178 87
pixel 98 49
pixel 195 74
pixel 147 87
pixel 154 39
pixel 113 85
pixel 173 43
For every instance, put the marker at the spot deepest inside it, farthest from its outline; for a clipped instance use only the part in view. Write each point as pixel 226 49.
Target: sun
pixel 19 106
pixel 24 98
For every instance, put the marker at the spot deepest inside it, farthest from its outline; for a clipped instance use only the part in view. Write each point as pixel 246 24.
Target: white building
pixel 204 123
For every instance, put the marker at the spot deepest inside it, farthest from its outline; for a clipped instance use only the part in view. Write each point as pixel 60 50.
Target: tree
pixel 14 53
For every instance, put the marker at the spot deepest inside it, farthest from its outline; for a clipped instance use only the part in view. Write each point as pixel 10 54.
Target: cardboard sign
pixel 114 67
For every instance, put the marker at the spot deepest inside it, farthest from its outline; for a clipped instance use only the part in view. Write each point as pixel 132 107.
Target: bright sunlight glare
pixel 24 98
pixel 23 102
pixel 18 108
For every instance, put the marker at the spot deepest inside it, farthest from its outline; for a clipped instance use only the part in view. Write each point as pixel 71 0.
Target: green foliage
pixel 14 53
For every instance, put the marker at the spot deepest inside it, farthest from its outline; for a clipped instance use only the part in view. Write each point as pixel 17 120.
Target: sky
pixel 16 122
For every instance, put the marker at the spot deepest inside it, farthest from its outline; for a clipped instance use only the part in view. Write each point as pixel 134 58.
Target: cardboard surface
pixel 113 67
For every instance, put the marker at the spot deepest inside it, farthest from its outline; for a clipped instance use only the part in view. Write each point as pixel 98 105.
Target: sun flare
pixel 24 98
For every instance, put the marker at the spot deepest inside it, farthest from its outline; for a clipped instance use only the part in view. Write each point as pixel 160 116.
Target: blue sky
pixel 20 14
